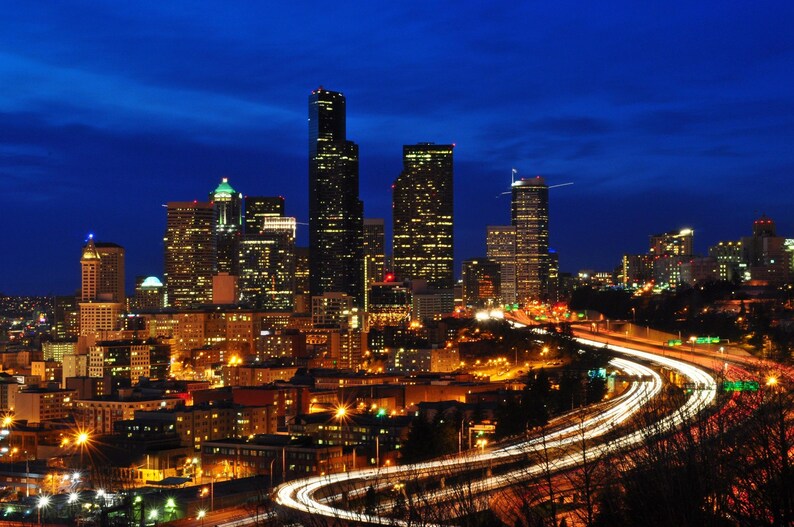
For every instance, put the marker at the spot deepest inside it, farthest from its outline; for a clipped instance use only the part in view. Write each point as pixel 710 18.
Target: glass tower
pixel 422 215
pixel 335 210
pixel 530 217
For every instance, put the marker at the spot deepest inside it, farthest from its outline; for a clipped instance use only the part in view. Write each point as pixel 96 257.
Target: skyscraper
pixel 101 286
pixel 500 243
pixel 102 266
pixel 374 250
pixel 257 208
pixel 267 265
pixel 530 217
pixel 227 204
pixel 189 253
pixel 422 215
pixel 335 210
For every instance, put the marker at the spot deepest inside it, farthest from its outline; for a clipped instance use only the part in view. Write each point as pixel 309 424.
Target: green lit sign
pixel 674 342
pixel 740 386
pixel 707 340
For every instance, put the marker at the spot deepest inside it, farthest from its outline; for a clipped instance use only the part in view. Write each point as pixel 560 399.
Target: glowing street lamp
pixel 200 515
pixel 44 501
pixel 82 440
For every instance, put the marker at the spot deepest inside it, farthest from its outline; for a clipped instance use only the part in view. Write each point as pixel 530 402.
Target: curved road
pixel 317 496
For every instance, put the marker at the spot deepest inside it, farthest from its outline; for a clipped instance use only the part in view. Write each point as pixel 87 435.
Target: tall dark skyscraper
pixel 530 217
pixel 189 253
pixel 227 204
pixel 422 215
pixel 257 208
pixel 335 210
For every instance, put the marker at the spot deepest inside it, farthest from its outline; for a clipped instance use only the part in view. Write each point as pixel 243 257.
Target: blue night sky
pixel 663 114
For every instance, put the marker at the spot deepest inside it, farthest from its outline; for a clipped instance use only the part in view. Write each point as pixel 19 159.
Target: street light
pixel 44 501
pixel 341 416
pixel 200 515
pixel 82 439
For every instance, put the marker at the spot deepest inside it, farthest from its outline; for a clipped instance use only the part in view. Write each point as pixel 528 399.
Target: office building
pixel 335 210
pixel 66 317
pixel 673 243
pixel 102 287
pixel 149 294
pixel 267 265
pixel 669 250
pixel 730 260
pixel 302 291
pixel 481 283
pixel 110 279
pixel 129 359
pixel 374 250
pixel 530 217
pixel 422 215
pixel 500 243
pixel 257 208
pixel 189 253
pixel 768 256
pixel 227 204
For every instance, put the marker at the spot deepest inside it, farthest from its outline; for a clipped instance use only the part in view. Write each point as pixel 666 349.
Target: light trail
pixel 299 495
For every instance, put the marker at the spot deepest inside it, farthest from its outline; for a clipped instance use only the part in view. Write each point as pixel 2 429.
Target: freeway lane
pixel 305 496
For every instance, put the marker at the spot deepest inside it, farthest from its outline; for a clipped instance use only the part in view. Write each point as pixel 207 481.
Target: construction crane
pixel 513 173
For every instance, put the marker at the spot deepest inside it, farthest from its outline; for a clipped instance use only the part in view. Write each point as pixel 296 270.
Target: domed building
pixel 149 294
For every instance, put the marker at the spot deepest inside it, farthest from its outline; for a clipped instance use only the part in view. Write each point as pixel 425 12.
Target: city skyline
pixel 662 120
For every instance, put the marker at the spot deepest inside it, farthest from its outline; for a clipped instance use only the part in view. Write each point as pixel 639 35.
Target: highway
pixel 319 497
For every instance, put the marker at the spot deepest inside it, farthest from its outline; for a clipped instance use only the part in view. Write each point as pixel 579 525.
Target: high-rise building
pixel 227 204
pixel 530 217
pixel 768 256
pixel 669 251
pixel 374 250
pixel 257 208
pixel 422 215
pixel 102 286
pixel 730 260
pixel 674 243
pixel 500 243
pixel 335 210
pixel 102 266
pixel 189 253
pixel 302 291
pixel 267 265
pixel 481 283
pixel 66 317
